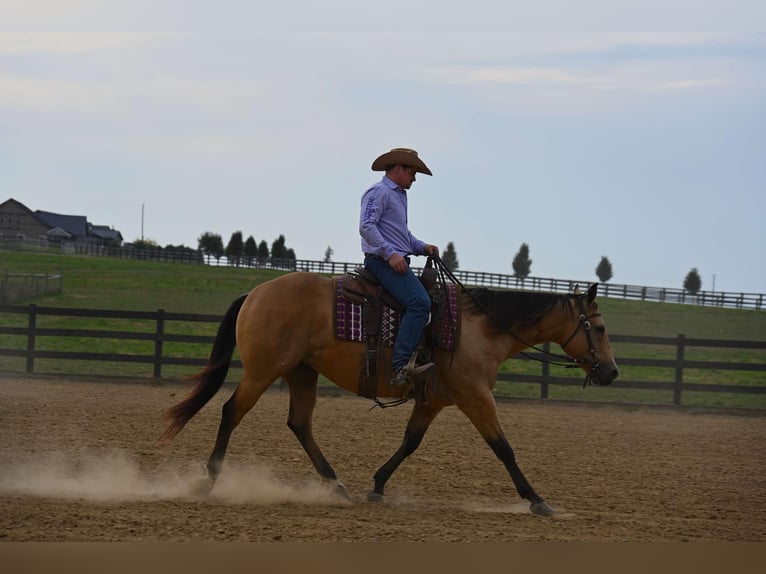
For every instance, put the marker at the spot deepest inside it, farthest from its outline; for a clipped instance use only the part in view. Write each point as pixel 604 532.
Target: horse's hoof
pixel 541 509
pixel 339 492
pixel 375 497
pixel 202 487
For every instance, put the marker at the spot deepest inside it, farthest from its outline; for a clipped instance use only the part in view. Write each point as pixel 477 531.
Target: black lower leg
pixel 306 438
pixel 409 445
pixel 504 452
pixel 226 427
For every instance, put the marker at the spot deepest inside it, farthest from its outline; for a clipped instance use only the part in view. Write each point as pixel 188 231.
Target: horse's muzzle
pixel 604 374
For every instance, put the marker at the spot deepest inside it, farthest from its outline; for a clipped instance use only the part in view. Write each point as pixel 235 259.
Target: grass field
pixel 103 283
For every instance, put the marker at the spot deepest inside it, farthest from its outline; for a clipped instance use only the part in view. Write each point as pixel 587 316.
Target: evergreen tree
pixel 250 251
pixel 693 281
pixel 328 253
pixel 449 257
pixel 263 252
pixel 290 259
pixel 211 244
pixel 604 270
pixel 278 249
pixel 234 248
pixel 522 264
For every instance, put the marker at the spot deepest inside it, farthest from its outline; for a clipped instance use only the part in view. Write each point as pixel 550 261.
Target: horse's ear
pixel 592 292
pixel 577 289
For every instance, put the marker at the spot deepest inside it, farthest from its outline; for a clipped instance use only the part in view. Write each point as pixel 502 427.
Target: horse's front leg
pixel 420 419
pixel 482 411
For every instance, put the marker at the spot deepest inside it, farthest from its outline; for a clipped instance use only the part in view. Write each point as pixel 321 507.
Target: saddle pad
pixel 350 327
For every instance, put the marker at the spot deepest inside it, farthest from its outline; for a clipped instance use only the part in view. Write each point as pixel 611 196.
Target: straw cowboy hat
pixel 400 156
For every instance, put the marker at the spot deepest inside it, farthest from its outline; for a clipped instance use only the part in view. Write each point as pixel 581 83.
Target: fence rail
pixel 18 286
pixel 160 336
pixel 734 300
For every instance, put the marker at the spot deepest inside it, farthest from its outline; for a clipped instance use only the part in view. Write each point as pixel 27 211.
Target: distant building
pixel 18 222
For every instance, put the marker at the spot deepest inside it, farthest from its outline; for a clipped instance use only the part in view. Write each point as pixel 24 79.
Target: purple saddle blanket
pixel 349 326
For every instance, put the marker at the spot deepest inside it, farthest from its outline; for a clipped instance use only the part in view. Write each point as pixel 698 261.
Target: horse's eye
pixel 601 329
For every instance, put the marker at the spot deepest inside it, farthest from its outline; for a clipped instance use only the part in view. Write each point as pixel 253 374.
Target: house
pixel 18 222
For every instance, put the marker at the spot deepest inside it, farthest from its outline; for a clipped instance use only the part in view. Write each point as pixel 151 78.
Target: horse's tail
pixel 210 379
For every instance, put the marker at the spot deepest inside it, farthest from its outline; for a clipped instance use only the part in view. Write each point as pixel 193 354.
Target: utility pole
pixel 142 223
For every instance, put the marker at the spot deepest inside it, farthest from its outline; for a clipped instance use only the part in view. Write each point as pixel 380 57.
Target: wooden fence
pixel 19 286
pixel 726 299
pixel 28 332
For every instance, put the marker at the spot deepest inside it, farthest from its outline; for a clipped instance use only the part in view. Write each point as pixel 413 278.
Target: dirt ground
pixel 81 462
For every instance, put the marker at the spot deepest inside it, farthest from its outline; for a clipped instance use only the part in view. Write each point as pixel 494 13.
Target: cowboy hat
pixel 400 156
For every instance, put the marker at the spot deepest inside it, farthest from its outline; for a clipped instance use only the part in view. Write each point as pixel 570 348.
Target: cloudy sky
pixel 264 117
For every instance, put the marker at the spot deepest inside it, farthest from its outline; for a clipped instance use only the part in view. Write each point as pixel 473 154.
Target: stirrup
pixel 400 379
pixel 419 372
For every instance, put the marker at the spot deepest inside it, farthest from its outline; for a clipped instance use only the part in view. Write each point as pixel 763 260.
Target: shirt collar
pixel 390 183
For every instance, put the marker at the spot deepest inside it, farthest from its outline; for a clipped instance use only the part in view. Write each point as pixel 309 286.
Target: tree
pixel 211 244
pixel 250 251
pixel 234 248
pixel 278 249
pixel 144 244
pixel 263 252
pixel 328 253
pixel 522 264
pixel 693 281
pixel 604 270
pixel 290 258
pixel 449 257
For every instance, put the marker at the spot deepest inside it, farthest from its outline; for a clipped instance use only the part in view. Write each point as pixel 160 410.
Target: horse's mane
pixel 508 309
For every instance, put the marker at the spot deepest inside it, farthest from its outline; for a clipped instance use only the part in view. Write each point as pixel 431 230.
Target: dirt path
pixel 80 463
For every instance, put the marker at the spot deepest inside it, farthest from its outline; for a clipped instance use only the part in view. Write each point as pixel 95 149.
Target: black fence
pixel 733 300
pixel 21 325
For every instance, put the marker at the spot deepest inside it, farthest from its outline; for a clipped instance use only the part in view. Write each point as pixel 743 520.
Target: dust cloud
pixel 115 477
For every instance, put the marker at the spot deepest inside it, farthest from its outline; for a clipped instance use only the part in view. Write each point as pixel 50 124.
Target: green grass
pixel 103 283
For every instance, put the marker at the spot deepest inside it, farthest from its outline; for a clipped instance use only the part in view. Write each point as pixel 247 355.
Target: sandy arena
pixel 81 463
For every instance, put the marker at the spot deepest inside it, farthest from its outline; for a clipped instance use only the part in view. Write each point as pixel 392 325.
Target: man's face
pixel 404 175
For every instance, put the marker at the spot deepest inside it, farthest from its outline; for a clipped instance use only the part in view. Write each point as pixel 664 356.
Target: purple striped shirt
pixel 383 222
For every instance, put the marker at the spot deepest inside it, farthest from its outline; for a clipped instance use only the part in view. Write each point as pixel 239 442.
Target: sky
pixel 541 124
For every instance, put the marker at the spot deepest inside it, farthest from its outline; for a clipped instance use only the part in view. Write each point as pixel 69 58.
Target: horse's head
pixel 588 343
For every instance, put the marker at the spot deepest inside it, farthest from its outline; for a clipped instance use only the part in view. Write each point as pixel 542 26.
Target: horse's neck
pixel 549 329
pixel 522 339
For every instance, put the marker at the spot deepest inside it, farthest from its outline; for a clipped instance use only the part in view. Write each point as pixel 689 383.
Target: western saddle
pixel 362 287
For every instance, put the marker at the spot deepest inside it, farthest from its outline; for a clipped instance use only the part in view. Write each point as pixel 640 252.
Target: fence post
pixel 159 336
pixel 681 345
pixel 546 373
pixel 31 332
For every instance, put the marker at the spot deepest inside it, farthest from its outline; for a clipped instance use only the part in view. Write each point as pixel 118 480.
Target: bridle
pixel 584 323
pixel 592 360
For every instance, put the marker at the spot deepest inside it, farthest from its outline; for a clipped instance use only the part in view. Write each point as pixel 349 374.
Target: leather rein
pixel 560 360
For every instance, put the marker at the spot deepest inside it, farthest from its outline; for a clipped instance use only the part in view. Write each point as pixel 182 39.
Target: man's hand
pixel 431 250
pixel 398 263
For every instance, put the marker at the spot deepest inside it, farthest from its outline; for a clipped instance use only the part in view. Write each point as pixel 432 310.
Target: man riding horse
pixel 387 244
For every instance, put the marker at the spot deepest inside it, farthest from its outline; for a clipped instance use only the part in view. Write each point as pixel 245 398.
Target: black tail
pixel 209 379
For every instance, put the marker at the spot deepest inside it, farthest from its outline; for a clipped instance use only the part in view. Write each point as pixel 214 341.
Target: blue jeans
pixel 409 291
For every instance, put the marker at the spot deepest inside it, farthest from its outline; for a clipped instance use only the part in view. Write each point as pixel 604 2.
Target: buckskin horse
pixel 284 329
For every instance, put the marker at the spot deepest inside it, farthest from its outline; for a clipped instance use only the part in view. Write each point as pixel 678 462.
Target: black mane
pixel 508 309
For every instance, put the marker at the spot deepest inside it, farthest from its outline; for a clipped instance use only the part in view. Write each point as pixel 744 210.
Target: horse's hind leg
pixel 302 382
pixel 421 418
pixel 244 398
